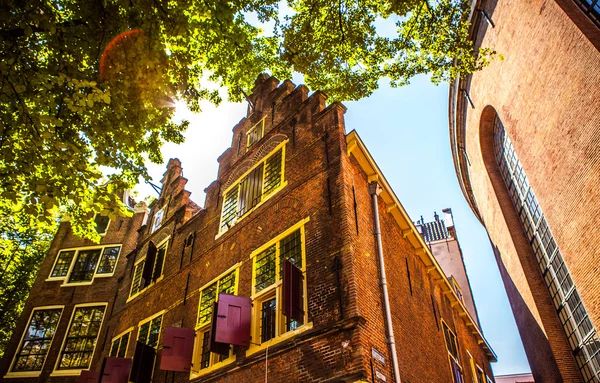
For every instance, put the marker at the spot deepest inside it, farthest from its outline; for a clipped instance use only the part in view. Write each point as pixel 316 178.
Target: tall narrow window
pixel 37 339
pixel 149 269
pixel 118 347
pixel 149 330
pixel 263 180
pixel 203 359
pixel 270 324
pixel 452 346
pixel 255 133
pixel 158 218
pixel 80 342
pixel 579 330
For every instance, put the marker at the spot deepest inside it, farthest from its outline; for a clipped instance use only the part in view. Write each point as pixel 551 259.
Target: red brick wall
pixel 420 342
pixel 545 92
pixel 347 318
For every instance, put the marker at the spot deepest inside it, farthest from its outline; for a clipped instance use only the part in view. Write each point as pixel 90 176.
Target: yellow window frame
pixel 264 198
pixel 118 337
pixel 203 327
pixel 149 319
pixel 260 124
pixel 164 242
pixel 77 371
pixel 274 290
pixel 450 356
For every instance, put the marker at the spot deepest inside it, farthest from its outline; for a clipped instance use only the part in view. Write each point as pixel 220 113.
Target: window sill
pixel 76 284
pixel 237 221
pixel 23 374
pixel 73 372
pixel 271 342
pixel 144 290
pixel 214 367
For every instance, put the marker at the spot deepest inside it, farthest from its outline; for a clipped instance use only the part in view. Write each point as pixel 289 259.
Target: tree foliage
pixel 24 241
pixel 87 86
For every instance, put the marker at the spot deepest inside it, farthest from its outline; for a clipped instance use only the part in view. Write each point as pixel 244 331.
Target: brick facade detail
pixel 324 184
pixel 544 91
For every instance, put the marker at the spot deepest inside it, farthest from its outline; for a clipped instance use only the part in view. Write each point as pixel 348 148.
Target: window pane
pixel 205 358
pixel 114 348
pixel 102 222
pixel 256 133
pixel 251 190
pixel 137 278
pixel 159 261
pixel 229 208
pixel 208 296
pixel 123 345
pixel 264 268
pixel 273 172
pixel 267 320
pixel 227 283
pixel 81 338
pixel 154 331
pixel 108 260
pixel 291 250
pixel 37 340
pixel 158 220
pixel 85 265
pixel 143 333
pixel 61 268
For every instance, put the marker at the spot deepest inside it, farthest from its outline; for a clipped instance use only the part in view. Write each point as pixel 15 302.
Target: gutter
pixel 375 190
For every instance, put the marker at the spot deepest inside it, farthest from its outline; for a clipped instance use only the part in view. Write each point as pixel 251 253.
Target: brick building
pixel 525 133
pixel 440 236
pixel 276 278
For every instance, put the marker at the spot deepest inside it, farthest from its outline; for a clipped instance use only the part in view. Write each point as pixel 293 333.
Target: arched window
pixel 580 332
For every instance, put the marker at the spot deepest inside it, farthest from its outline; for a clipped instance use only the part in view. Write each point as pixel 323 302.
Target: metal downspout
pixel 374 191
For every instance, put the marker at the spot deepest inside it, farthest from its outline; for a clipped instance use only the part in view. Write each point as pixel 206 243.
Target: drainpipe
pixel 374 190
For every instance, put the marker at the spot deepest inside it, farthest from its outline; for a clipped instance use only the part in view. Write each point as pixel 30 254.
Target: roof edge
pixel 356 148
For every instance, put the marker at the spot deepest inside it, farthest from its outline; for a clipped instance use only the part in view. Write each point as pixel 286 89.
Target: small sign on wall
pixel 378 356
pixel 380 376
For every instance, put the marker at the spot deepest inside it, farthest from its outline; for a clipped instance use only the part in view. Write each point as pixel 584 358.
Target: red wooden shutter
pixel 178 346
pixel 233 320
pixel 115 370
pixel 214 346
pixel 292 299
pixel 143 363
pixel 149 265
pixel 89 377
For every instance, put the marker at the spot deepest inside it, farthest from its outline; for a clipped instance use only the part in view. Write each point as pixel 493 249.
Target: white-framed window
pixel 79 266
pixel 158 218
pixel 120 344
pixel 35 342
pixel 253 188
pixel 269 324
pixel 203 360
pixel 102 222
pixel 149 269
pixel 149 329
pixel 255 133
pixel 79 344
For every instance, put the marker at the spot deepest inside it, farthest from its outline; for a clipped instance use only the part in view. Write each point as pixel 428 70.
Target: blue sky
pixel 406 131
